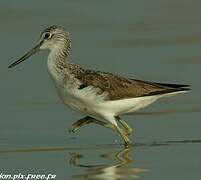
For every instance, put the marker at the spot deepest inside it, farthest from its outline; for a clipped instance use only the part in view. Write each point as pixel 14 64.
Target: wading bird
pixel 102 96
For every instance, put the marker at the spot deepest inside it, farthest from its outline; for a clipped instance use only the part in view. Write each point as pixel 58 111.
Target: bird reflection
pixel 118 170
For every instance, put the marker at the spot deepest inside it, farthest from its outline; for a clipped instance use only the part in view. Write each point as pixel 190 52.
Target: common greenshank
pixel 103 97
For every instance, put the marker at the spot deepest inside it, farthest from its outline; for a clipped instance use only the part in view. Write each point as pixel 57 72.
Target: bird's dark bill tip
pixel 27 55
pixel 14 64
pixel 10 66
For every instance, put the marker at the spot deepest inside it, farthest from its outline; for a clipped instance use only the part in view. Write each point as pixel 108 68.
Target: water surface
pixel 151 40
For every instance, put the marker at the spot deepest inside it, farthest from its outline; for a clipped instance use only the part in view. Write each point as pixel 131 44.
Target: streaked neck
pixel 58 59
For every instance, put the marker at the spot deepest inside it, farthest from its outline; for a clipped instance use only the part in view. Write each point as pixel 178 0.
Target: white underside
pixel 88 102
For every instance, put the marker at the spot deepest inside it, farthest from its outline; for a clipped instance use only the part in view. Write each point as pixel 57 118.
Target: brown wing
pixel 118 87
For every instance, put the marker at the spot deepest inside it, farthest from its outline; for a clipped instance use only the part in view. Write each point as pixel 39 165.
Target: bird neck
pixel 58 59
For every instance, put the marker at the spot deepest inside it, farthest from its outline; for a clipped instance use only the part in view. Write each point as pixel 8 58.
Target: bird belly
pixel 88 102
pixel 85 101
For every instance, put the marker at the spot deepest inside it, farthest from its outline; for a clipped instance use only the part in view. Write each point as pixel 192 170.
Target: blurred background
pixel 150 40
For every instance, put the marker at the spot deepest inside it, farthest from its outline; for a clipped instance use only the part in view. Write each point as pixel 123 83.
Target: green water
pixel 150 40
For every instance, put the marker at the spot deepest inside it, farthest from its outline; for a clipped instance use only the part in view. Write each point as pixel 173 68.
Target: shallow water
pixel 151 40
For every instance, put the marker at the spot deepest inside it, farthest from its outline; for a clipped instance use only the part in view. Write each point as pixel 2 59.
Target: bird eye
pixel 46 36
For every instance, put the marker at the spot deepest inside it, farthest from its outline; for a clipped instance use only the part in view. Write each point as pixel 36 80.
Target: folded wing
pixel 118 87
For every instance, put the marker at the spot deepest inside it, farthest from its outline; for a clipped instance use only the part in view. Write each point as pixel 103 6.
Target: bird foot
pixel 73 129
pixel 128 132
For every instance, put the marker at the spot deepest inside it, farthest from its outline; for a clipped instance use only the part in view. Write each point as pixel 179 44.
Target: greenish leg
pixel 81 122
pixel 87 120
pixel 127 141
pixel 127 128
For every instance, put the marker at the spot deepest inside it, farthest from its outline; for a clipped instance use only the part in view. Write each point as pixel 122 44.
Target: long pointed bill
pixel 26 56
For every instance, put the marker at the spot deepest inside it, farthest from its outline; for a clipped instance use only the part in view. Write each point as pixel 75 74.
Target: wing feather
pixel 118 87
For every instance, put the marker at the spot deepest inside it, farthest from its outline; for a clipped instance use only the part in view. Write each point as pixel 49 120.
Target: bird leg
pixel 128 129
pixel 87 120
pixel 127 141
pixel 122 132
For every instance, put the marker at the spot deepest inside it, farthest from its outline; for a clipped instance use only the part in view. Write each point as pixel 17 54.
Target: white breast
pixel 83 100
